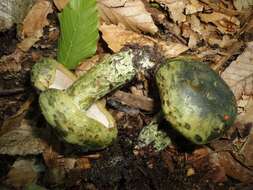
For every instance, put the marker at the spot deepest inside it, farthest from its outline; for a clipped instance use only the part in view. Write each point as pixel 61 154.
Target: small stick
pixel 9 92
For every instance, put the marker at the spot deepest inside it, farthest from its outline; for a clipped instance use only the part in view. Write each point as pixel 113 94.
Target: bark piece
pixel 140 102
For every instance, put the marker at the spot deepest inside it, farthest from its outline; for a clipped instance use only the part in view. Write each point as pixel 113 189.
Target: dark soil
pixel 120 168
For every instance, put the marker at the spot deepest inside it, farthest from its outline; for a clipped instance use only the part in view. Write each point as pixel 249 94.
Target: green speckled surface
pixel 72 124
pixel 43 73
pixel 195 100
pixel 106 76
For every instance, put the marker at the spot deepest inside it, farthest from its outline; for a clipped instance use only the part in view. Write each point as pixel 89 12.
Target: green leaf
pixel 79 32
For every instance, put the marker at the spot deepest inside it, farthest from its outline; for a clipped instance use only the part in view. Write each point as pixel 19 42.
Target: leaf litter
pixel 208 30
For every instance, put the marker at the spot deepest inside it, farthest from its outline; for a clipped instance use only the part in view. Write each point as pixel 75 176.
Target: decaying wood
pixel 140 102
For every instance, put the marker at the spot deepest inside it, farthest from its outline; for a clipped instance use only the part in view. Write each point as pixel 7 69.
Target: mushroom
pixel 72 109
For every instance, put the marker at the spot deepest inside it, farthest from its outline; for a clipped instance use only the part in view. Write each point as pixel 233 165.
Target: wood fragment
pixel 9 92
pixel 140 102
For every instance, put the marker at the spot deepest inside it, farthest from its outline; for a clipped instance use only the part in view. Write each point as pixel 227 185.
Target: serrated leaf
pixel 79 32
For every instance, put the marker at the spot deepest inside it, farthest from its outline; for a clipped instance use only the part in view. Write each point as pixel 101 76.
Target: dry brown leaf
pixel 242 4
pixel 34 23
pixel 244 150
pixel 225 24
pixel 220 7
pixel 14 121
pixel 193 6
pixel 23 172
pixel 53 159
pixel 131 13
pixel 225 42
pixel 60 4
pixel 13 12
pixel 232 167
pixel 239 75
pixel 176 9
pixel 23 140
pixel 193 36
pixel 124 37
pixel 11 63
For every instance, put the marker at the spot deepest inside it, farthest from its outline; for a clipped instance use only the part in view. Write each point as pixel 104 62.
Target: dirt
pixel 120 168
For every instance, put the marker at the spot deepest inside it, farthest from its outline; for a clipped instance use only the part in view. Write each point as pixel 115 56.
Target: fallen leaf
pixel 23 172
pixel 60 4
pixel 239 74
pixel 233 50
pixel 60 162
pixel 233 168
pixel 23 140
pixel 11 63
pixel 124 37
pixel 218 6
pixel 34 23
pixel 203 161
pixel 225 42
pixel 13 12
pixel 131 13
pixel 193 37
pixel 14 121
pixel 244 151
pixel 225 24
pixel 27 43
pixel 193 6
pixel 176 9
pixel 247 115
pixel 242 4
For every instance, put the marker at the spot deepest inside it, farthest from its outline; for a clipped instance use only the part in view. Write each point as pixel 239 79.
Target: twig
pixel 234 48
pixel 9 92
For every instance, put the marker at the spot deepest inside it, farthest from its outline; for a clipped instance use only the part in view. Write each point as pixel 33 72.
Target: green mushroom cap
pixel 195 100
pixel 73 124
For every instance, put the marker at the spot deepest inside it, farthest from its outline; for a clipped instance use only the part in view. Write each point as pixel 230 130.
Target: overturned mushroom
pixel 49 74
pixel 72 111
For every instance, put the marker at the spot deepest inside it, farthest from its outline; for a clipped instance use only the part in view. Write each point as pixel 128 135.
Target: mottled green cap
pixel 195 99
pixel 72 124
pixel 43 73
